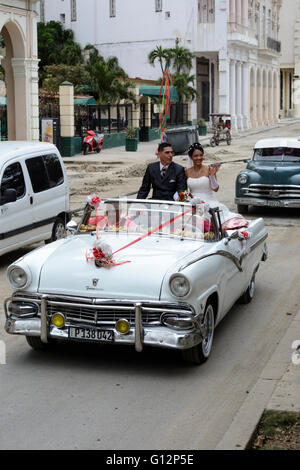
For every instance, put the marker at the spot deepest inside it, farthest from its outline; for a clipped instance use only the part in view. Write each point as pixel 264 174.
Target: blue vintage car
pixel 272 177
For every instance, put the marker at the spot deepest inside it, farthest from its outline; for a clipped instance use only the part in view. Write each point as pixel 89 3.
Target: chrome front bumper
pixel 138 336
pixel 260 202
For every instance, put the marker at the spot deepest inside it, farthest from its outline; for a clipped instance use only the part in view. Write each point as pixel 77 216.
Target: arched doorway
pixel 20 64
pixel 15 89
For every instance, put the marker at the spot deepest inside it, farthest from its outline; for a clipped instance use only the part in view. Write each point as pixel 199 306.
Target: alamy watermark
pixel 296 352
pixel 2 353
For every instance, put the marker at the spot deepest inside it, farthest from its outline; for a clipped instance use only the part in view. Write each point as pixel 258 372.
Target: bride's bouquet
pixel 183 196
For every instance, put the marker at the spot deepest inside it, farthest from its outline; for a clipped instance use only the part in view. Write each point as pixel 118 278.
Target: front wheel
pixel 37 344
pixel 212 142
pixel 200 353
pixel 85 149
pixel 248 295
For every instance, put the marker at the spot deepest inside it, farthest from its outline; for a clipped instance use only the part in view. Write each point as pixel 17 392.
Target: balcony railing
pixel 274 44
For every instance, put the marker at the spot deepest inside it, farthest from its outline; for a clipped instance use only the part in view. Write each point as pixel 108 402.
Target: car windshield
pixel 150 218
pixel 277 154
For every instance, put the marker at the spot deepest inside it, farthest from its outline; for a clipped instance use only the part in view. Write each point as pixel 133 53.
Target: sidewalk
pixel 277 388
pixel 146 150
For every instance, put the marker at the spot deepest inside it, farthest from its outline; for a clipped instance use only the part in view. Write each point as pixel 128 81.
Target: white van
pixel 34 194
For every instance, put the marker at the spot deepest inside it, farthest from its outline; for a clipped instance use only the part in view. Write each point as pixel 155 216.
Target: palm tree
pixel 162 55
pixel 109 81
pixel 183 84
pixel 182 59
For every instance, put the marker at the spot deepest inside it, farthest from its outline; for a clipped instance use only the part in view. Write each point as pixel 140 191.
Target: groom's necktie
pixel 163 172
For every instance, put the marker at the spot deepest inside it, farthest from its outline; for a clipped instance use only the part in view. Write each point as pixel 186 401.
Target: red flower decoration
pixel 95 200
pixel 245 234
pixel 185 195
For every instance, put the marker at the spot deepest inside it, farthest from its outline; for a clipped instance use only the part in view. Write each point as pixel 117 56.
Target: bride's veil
pixel 190 163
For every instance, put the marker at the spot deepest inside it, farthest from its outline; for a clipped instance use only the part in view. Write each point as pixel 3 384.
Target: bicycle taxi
pixel 221 128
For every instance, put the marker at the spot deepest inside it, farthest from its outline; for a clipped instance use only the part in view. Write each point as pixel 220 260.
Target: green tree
pixel 62 59
pixel 163 56
pixel 182 59
pixel 183 83
pixel 56 45
pixel 54 75
pixel 109 81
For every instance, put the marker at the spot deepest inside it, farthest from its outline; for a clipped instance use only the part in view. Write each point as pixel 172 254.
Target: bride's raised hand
pixel 213 169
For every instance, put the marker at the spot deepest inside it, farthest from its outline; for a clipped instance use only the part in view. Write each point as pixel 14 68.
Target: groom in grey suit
pixel 165 177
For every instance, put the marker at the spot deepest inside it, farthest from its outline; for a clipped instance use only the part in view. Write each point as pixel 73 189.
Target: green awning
pixel 85 101
pixel 154 91
pixel 3 101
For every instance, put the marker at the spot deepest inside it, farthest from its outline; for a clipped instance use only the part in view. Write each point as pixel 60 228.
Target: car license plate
pixel 274 203
pixel 91 334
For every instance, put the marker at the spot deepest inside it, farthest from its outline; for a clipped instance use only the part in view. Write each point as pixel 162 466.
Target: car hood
pixel 277 172
pixel 144 267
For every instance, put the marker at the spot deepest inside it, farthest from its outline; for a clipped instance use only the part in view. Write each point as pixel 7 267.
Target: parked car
pixel 148 274
pixel 272 177
pixel 34 194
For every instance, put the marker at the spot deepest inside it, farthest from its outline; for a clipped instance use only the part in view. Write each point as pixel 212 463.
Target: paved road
pixel 91 397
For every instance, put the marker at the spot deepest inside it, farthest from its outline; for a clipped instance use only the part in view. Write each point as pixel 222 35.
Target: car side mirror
pixel 72 226
pixel 233 236
pixel 9 195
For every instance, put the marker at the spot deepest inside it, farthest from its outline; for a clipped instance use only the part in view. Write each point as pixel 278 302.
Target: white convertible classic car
pixel 136 272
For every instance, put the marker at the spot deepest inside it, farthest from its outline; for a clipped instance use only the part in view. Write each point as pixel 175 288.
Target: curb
pixel 279 374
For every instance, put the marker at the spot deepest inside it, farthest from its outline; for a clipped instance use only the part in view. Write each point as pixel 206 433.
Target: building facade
pixel 18 29
pixel 290 60
pixel 235 43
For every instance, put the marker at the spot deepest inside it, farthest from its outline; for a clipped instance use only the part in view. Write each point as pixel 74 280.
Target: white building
pixel 18 28
pixel 290 61
pixel 235 42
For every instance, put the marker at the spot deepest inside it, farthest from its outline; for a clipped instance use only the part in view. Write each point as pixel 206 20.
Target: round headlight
pixel 18 277
pixel 242 179
pixel 58 320
pixel 123 326
pixel 179 285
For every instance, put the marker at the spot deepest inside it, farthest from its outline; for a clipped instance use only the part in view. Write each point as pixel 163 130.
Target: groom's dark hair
pixel 163 145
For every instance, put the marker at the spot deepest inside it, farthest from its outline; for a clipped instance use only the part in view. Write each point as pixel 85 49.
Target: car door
pixel 233 276
pixel 16 217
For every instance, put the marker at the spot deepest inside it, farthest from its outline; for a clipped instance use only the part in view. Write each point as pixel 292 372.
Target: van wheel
pixel 58 231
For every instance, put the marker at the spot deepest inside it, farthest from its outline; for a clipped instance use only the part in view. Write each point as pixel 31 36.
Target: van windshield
pixel 277 154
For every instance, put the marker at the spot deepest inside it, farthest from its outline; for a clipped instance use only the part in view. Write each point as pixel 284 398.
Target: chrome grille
pixel 272 191
pixel 109 312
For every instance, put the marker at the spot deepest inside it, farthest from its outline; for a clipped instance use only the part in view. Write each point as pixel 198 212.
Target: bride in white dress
pixel 202 183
